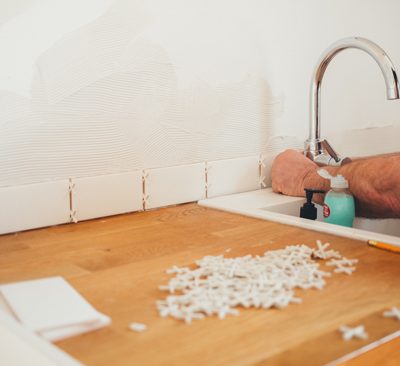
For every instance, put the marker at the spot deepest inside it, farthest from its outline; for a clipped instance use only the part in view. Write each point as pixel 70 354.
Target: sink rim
pixel 255 204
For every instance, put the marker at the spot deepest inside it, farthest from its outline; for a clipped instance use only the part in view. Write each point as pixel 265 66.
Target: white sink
pixel 267 205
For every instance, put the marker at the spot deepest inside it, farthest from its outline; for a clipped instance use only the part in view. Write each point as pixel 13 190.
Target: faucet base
pixel 322 153
pixel 313 148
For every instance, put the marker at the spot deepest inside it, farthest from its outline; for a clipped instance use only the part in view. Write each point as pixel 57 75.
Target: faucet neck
pixel 319 150
pixel 377 53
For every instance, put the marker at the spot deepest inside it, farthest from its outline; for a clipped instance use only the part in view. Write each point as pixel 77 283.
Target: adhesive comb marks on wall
pixel 35 205
pixel 233 176
pixel 173 185
pixel 106 195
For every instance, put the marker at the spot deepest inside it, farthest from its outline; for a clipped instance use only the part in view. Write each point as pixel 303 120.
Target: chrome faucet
pixel 318 149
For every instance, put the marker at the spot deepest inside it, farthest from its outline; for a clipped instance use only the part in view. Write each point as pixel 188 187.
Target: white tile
pixel 232 176
pixel 19 346
pixel 106 195
pixel 58 334
pixel 48 303
pixel 173 185
pixel 35 205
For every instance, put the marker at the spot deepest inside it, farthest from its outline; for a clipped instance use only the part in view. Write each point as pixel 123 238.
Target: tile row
pixel 50 203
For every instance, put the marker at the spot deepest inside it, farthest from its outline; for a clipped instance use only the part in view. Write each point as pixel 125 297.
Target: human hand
pixel 289 170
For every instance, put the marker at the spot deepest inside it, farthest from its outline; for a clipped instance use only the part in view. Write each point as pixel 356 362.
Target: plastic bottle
pixel 339 206
pixel 308 210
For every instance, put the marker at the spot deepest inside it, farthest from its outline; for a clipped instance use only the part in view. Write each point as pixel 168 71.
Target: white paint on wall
pixel 104 87
pixel 30 32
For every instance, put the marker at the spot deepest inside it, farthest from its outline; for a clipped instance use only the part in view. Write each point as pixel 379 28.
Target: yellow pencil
pixel 386 246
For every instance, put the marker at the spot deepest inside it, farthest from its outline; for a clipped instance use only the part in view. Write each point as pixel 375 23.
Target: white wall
pixel 97 87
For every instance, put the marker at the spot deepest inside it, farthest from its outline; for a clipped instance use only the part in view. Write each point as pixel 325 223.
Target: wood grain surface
pixel 118 263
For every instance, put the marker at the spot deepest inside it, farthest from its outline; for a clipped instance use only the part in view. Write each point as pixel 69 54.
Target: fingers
pixel 288 172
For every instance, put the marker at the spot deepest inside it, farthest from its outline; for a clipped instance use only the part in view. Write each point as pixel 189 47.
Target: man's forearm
pixel 374 182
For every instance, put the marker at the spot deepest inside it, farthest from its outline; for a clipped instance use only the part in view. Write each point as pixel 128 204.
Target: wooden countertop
pixel 118 263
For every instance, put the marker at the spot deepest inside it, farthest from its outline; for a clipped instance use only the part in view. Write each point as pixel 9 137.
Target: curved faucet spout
pixel 314 145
